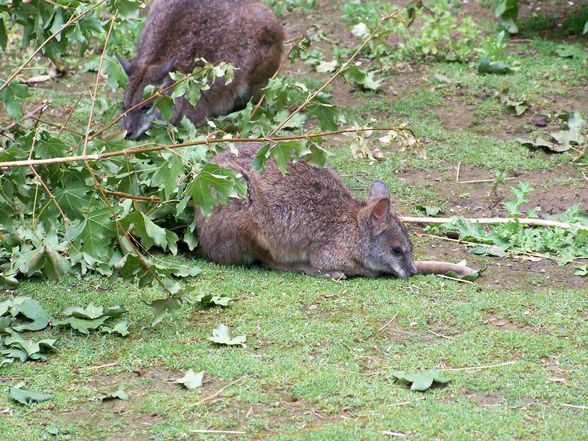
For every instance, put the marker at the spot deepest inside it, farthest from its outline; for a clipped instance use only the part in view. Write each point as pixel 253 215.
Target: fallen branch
pixel 491 221
pixel 218 392
pixel 207 141
pixel 477 368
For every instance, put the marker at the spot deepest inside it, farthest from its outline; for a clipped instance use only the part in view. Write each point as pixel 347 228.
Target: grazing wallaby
pixel 244 33
pixel 309 221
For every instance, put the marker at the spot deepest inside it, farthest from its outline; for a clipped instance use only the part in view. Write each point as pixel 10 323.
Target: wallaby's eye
pixel 147 107
pixel 396 250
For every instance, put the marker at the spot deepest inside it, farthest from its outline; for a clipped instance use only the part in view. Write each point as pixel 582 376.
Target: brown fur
pixel 305 221
pixel 244 33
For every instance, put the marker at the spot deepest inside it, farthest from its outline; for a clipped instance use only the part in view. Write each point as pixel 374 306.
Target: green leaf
pixel 221 336
pixel 429 211
pixel 489 251
pixel 572 51
pixel 162 306
pixel 191 380
pixel 31 309
pixel 420 382
pixel 3 35
pixel 487 66
pixel 118 394
pixel 81 325
pixel 150 233
pixel 214 184
pixel 27 397
pixel 206 300
pixel 581 271
pixel 120 328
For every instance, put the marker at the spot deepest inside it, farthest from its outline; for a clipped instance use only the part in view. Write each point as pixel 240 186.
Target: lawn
pixel 320 354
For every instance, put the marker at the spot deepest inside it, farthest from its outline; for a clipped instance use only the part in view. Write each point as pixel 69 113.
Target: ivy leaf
pixel 150 233
pixel 168 175
pixel 93 312
pixel 96 233
pixel 420 382
pixel 191 380
pixel 31 309
pixel 325 114
pixel 206 300
pixel 489 251
pixel 118 394
pixel 161 306
pixel 214 184
pixel 81 325
pixel 572 51
pixel 487 66
pixel 27 397
pixel 326 66
pixel 429 211
pixel 120 328
pixel 221 336
pixel 581 271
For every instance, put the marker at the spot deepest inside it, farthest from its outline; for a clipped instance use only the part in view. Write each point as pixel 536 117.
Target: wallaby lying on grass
pixel 309 221
pixel 244 33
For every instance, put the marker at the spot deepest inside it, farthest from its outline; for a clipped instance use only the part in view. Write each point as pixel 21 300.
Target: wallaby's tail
pixel 432 267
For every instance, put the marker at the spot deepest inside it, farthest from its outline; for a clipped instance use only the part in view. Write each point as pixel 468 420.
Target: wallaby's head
pixel 388 248
pixel 141 75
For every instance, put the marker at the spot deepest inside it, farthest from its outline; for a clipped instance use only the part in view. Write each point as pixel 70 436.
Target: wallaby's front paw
pixel 335 275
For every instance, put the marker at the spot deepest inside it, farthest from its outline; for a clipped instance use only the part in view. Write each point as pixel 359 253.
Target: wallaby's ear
pixel 126 64
pixel 380 212
pixel 378 191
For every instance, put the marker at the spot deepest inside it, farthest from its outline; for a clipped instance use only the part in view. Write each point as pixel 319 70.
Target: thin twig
pixel 226 432
pixel 218 392
pixel 103 366
pixel 69 115
pixel 477 368
pixel 404 403
pixel 574 406
pixel 440 335
pixel 58 126
pixel 122 195
pixel 142 260
pixel 455 279
pixel 479 181
pixel 387 323
pixel 457 174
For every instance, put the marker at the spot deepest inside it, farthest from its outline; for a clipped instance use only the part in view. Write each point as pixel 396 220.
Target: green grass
pixel 319 360
pixel 330 360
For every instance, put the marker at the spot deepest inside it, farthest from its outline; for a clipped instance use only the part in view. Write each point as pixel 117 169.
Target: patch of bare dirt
pixel 507 324
pixel 508 273
pixel 138 385
pixel 484 399
pixel 476 199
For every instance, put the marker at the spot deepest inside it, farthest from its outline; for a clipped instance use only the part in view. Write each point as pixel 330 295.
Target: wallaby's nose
pixel 412 270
